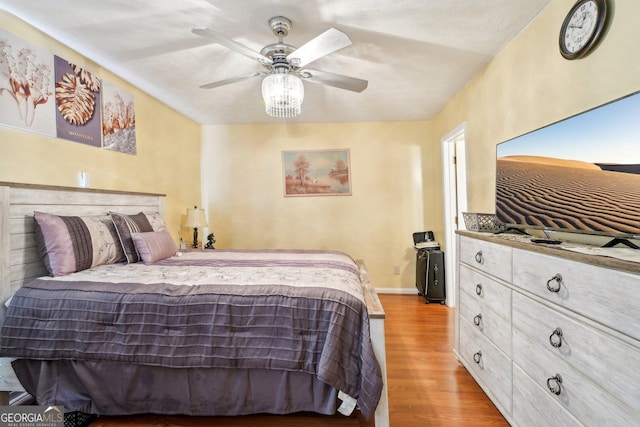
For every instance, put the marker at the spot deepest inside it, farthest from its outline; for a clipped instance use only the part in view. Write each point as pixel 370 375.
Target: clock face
pixel 582 27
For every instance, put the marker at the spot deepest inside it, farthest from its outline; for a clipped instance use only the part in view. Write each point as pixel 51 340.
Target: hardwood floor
pixel 427 386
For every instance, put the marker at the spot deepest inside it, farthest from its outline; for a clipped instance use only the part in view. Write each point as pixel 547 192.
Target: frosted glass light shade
pixel 283 95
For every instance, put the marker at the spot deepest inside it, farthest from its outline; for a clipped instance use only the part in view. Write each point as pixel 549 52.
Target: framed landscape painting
pixel 316 173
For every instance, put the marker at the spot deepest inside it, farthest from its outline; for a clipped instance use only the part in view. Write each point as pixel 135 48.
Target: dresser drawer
pixel 611 364
pixel 577 393
pixel 487 321
pixel 491 366
pixel 607 296
pixel 486 256
pixel 533 406
pixel 486 290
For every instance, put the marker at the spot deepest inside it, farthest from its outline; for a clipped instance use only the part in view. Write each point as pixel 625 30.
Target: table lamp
pixel 195 218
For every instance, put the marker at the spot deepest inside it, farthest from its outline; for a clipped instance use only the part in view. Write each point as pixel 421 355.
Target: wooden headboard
pixel 20 260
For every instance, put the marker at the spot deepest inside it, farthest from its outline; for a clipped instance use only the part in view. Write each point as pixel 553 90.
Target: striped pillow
pixel 154 246
pixel 72 243
pixel 125 226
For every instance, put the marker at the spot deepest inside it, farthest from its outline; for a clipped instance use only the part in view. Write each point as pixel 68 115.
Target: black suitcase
pixel 430 275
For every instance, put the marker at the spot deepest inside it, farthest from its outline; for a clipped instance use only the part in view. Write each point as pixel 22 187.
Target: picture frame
pixel 118 119
pixel 27 86
pixel 78 103
pixel 316 173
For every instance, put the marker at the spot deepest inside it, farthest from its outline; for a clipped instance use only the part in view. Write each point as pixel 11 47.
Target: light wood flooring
pixel 427 386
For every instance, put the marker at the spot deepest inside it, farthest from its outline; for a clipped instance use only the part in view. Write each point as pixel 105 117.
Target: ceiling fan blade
pixel 324 44
pixel 232 80
pixel 336 80
pixel 232 45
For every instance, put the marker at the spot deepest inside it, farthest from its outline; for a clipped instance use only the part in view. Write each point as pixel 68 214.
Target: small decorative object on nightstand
pixel 195 218
pixel 211 239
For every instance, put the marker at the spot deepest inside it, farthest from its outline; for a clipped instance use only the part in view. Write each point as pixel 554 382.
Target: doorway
pixel 454 179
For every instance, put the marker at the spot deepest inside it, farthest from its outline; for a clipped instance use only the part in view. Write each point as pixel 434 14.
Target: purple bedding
pixel 294 311
pixel 111 388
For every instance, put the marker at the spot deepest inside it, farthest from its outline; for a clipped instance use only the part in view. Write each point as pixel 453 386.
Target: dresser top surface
pixel 524 242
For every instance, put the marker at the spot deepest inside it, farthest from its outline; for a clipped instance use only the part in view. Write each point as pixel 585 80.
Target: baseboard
pixel 407 291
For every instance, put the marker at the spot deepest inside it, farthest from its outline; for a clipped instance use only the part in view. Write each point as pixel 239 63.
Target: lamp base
pixel 195 237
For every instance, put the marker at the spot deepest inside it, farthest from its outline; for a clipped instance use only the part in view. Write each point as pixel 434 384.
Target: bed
pixel 138 352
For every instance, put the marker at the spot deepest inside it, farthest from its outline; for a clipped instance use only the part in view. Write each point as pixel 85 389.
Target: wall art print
pixel 316 173
pixel 77 95
pixel 26 86
pixel 118 119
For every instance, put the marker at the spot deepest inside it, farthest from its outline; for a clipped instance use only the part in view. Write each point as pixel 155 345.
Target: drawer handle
pixel 554 384
pixel 477 357
pixel 479 289
pixel 477 319
pixel 555 339
pixel 558 279
pixel 479 258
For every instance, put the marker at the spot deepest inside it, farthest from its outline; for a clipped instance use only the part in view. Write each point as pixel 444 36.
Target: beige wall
pixel 168 146
pixel 243 182
pixel 529 85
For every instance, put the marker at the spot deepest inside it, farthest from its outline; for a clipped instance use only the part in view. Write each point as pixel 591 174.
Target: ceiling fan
pixel 285 65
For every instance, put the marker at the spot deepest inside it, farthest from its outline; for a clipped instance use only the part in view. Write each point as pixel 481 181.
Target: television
pixel 578 175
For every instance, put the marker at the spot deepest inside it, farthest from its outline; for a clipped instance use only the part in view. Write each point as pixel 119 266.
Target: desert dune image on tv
pixel 581 174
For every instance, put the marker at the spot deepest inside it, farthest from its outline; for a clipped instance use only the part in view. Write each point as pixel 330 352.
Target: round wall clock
pixel 582 28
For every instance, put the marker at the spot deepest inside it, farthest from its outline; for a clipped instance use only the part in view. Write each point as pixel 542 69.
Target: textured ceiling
pixel 416 54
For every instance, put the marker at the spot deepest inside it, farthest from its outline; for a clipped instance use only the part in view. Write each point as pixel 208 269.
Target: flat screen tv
pixel 580 175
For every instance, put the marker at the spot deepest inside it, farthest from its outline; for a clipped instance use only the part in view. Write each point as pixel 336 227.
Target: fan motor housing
pixel 278 53
pixel 276 49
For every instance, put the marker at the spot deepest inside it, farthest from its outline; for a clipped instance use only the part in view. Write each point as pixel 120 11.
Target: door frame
pixel 454 189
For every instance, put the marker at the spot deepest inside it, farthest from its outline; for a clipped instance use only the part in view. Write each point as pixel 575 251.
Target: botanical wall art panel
pixel 77 95
pixel 316 173
pixel 118 119
pixel 26 86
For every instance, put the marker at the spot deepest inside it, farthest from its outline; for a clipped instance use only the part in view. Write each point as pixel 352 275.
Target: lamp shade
pixel 283 94
pixel 195 218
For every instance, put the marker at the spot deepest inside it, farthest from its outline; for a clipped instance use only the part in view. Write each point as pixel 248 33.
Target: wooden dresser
pixel 552 336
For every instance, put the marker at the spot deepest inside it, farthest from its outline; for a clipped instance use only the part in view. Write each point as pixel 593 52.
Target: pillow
pixel 154 246
pixel 73 243
pixel 157 221
pixel 125 226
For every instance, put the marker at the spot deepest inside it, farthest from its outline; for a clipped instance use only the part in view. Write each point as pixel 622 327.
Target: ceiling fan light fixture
pixel 283 94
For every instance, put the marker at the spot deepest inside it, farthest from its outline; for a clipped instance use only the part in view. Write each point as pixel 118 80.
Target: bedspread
pixel 285 310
